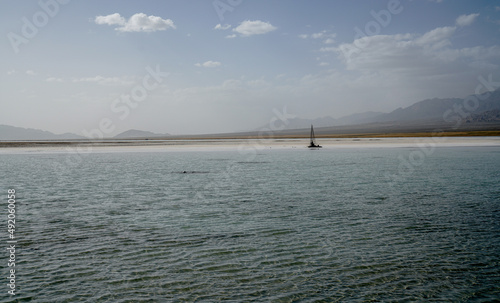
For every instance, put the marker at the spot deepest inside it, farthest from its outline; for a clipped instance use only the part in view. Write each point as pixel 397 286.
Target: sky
pixel 208 66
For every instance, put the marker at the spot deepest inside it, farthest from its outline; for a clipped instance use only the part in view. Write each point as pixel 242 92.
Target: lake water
pixel 291 225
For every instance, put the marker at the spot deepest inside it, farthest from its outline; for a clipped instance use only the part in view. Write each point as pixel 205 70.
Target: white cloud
pixel 53 79
pixel 139 22
pixel 30 73
pixel 328 37
pixel 208 64
pixel 428 55
pixel 465 20
pixel 222 27
pixel 436 36
pixel 231 36
pixel 329 49
pixel 105 80
pixel 318 35
pixel 11 72
pixel 329 41
pixel 110 19
pixel 258 84
pixel 257 27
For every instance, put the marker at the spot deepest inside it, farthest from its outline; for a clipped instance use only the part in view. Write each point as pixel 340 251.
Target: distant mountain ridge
pixel 429 109
pixel 426 109
pixel 8 132
pixel 436 108
pixel 13 133
pixel 358 118
pixel 486 109
pixel 487 116
pixel 134 133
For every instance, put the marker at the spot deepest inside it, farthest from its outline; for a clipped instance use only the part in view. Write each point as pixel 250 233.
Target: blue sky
pixel 69 65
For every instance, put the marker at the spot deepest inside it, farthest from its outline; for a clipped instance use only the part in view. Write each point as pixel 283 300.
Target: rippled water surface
pixel 281 226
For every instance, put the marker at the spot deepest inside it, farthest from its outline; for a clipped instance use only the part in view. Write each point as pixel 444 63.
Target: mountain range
pixel 134 133
pixel 8 133
pixel 359 118
pixel 12 133
pixel 483 108
pixel 441 110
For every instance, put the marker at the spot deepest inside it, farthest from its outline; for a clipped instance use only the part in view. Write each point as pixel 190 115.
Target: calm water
pixel 283 226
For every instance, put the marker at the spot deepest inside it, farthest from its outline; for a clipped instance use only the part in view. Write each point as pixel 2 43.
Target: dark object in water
pixel 190 172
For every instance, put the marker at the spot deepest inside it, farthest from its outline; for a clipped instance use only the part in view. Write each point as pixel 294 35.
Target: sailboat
pixel 313 140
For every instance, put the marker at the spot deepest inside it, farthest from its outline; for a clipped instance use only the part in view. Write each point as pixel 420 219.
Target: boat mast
pixel 312 135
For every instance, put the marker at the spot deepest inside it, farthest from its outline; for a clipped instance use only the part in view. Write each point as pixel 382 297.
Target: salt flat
pixel 241 145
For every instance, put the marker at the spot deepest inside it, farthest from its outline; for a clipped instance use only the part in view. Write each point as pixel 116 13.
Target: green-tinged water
pixel 281 226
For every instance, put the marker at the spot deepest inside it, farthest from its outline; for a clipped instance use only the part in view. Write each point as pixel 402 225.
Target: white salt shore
pixel 243 145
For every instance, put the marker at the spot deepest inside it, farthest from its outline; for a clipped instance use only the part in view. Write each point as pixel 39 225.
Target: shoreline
pixel 188 139
pixel 241 145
